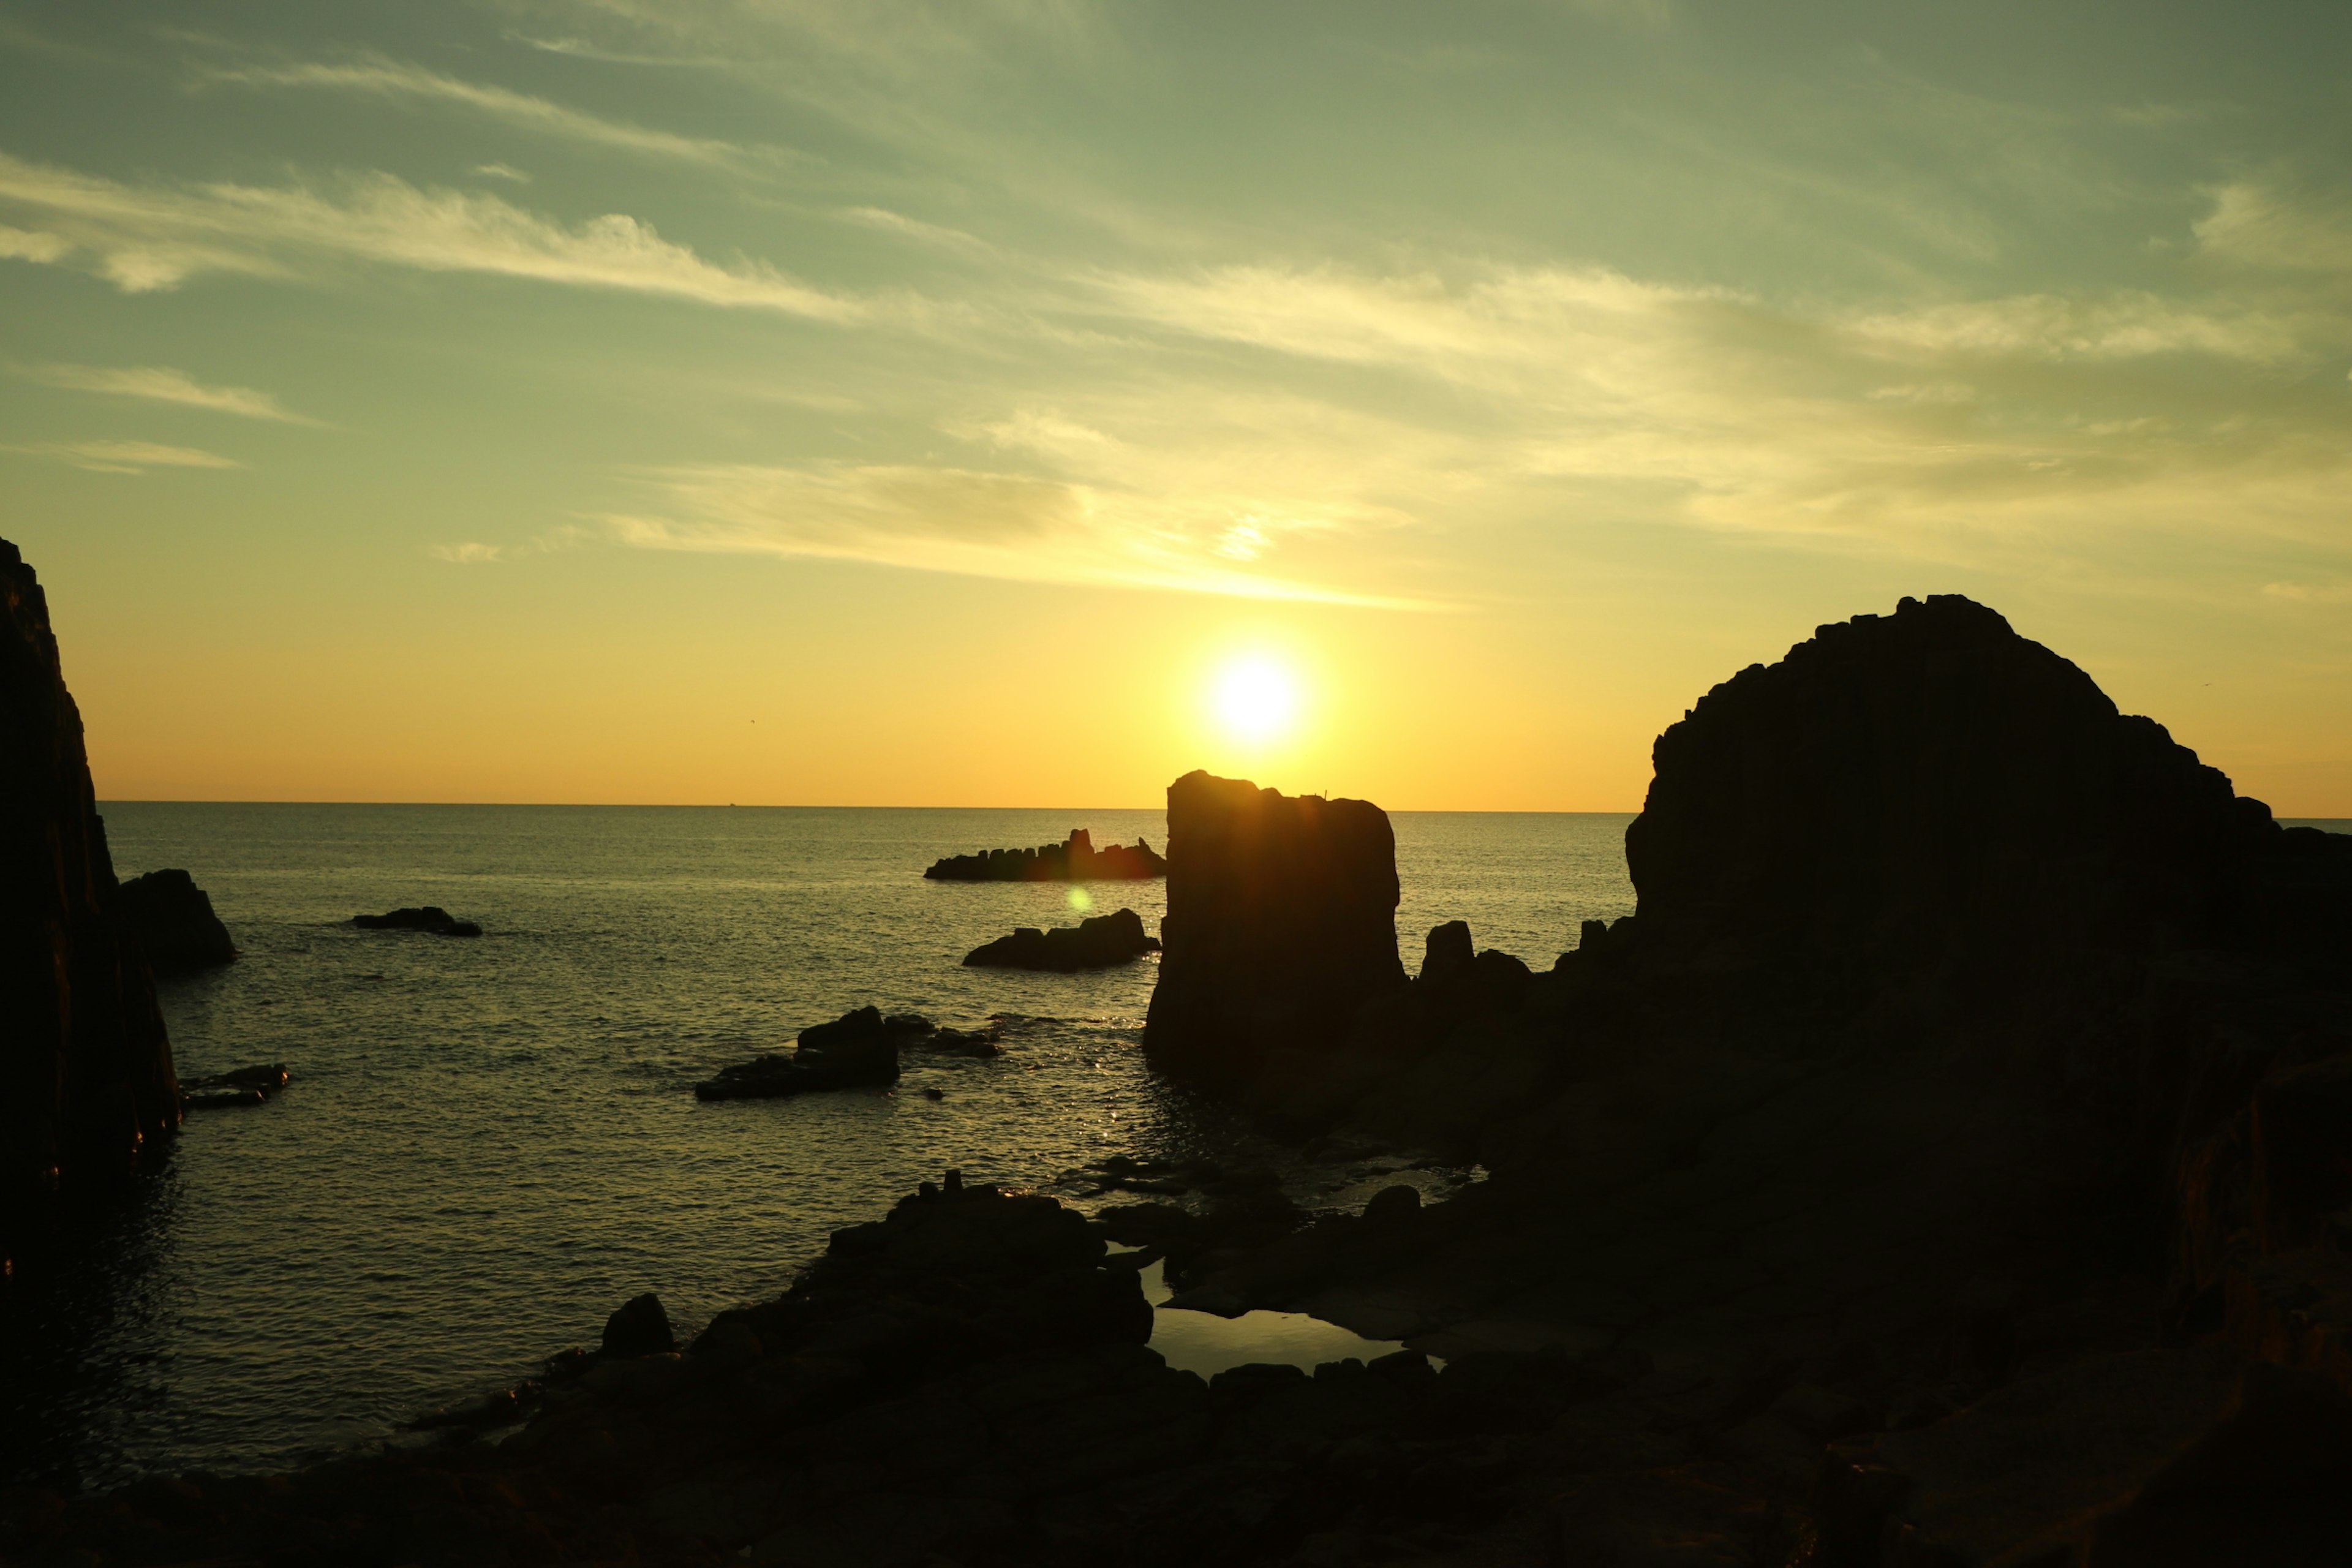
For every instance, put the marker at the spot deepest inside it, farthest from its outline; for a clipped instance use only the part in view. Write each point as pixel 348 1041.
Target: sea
pixel 488 1144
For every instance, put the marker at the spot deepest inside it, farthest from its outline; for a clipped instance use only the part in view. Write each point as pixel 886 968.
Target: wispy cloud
pixel 128 457
pixel 470 553
pixel 393 79
pixel 159 385
pixel 502 171
pixel 145 237
pixel 974 522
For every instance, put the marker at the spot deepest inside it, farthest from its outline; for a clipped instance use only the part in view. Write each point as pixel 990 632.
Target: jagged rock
pixel 1281 925
pixel 858 1049
pixel 172 920
pixel 432 918
pixel 1076 860
pixel 638 1327
pixel 1098 942
pixel 87 1089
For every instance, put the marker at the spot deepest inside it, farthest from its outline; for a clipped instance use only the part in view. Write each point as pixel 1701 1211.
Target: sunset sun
pixel 1256 697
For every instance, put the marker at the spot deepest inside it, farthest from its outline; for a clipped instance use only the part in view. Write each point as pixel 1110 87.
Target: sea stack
pixel 1281 923
pixel 85 1080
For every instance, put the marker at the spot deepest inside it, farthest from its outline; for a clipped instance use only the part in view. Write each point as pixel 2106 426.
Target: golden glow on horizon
pixel 1256 699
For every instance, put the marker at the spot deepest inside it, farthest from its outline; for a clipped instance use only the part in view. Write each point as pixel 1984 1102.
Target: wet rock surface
pixel 172 920
pixel 86 1089
pixel 430 918
pixel 1098 942
pixel 1076 860
pixel 239 1088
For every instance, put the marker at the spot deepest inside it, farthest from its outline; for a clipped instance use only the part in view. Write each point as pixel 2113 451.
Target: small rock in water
pixel 935 1094
pixel 1096 942
pixel 638 1327
pixel 244 1086
pixel 430 918
pixel 859 1048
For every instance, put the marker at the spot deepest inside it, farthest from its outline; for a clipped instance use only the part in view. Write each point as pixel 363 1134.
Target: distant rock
pixel 1281 924
pixel 1098 941
pixel 858 1049
pixel 172 922
pixel 431 918
pixel 87 1090
pixel 1075 860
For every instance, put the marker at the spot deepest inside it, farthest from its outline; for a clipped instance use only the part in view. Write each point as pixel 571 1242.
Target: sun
pixel 1256 698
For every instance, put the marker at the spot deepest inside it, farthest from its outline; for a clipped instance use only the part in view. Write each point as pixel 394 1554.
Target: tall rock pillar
pixel 1281 923
pixel 85 1080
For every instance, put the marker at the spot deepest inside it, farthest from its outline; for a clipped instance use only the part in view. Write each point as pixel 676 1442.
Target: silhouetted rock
pixel 1098 942
pixel 86 1082
pixel 1076 860
pixel 638 1327
pixel 858 1049
pixel 1281 924
pixel 242 1086
pixel 432 918
pixel 172 920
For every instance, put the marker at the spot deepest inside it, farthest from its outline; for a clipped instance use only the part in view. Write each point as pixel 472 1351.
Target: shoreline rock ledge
pixel 1281 924
pixel 87 1087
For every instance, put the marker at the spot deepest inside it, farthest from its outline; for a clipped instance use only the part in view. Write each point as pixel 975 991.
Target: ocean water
pixel 489 1144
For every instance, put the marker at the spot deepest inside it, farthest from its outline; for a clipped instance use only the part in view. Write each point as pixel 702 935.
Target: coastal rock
pixel 86 1089
pixel 241 1087
pixel 432 918
pixel 638 1327
pixel 1281 925
pixel 172 920
pixel 1098 942
pixel 1075 860
pixel 858 1049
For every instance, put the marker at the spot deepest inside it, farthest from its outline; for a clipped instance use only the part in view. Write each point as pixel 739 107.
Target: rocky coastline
pixel 1944 1167
pixel 1075 860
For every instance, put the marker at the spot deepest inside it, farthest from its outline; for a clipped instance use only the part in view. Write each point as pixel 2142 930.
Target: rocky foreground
pixel 1946 1166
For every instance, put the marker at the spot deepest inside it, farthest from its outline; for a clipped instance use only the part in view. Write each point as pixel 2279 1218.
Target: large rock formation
pixel 1929 793
pixel 172 920
pixel 86 1081
pixel 1281 924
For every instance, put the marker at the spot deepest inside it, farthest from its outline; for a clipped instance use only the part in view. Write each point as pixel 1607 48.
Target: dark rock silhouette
pixel 1281 925
pixel 638 1327
pixel 172 920
pixel 1076 860
pixel 241 1087
pixel 432 918
pixel 87 1089
pixel 1098 942
pixel 859 1049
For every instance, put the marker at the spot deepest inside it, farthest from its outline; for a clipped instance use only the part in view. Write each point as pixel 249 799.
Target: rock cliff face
pixel 1281 924
pixel 1928 794
pixel 85 1080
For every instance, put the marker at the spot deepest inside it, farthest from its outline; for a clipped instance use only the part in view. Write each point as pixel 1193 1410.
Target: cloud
pixel 468 554
pixel 29 245
pixel 391 79
pixel 146 238
pixel 160 386
pixel 973 522
pixel 128 457
pixel 502 171
pixel 2257 226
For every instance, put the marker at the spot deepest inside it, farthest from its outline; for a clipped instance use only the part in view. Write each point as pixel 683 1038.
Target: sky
pixel 811 403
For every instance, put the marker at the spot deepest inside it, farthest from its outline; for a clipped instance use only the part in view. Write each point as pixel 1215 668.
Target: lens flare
pixel 1256 698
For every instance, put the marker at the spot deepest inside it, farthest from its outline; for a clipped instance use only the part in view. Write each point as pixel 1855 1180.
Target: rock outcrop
pixel 431 918
pixel 1281 925
pixel 1098 941
pixel 858 1050
pixel 172 920
pixel 1075 860
pixel 87 1089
